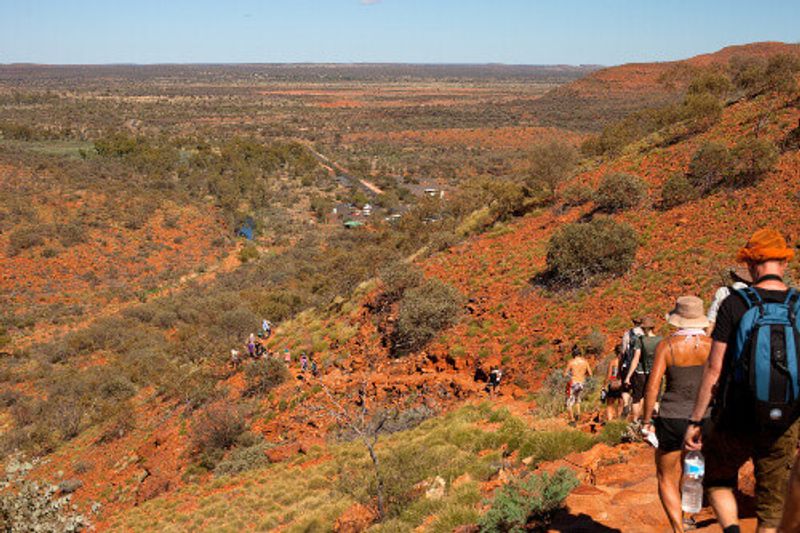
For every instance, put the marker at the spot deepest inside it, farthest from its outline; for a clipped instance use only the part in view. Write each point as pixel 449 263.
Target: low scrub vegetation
pixel 580 252
pixel 528 503
pixel 425 311
pixel 619 192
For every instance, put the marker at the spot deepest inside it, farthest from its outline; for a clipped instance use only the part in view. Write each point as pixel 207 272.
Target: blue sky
pixel 419 31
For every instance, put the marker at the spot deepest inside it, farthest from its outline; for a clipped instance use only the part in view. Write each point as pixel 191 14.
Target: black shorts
pixel 638 386
pixel 670 433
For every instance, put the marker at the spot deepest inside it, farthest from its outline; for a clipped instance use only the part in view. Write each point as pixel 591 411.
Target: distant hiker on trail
pixel 266 328
pixel 495 375
pixel 757 401
pixel 641 365
pixel 681 357
pixel 303 362
pixel 740 279
pixel 577 370
pixel 236 360
pixel 287 356
pixel 261 351
pixel 613 386
pixel 251 348
pixel 629 341
pixel 314 368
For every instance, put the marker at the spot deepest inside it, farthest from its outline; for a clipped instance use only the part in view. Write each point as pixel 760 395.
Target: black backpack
pixel 627 357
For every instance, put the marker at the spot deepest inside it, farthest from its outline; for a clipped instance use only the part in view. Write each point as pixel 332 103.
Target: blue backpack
pixel 765 362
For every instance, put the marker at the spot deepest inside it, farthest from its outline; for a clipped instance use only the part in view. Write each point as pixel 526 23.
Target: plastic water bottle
pixel 694 468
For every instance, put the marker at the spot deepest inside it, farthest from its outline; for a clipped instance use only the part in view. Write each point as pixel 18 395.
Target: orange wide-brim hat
pixel 765 245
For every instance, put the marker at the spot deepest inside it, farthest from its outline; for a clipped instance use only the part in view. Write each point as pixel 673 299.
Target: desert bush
pixel 398 277
pixel 249 252
pixel 594 342
pixel 677 190
pixel 71 233
pixel 710 165
pixel 524 504
pixel 24 237
pixel 424 311
pixel 754 76
pixel 581 251
pixel 243 458
pixel 217 427
pixel 753 157
pixel 576 195
pixel 701 111
pixel 264 375
pixel 710 82
pixel 619 192
pixel 551 164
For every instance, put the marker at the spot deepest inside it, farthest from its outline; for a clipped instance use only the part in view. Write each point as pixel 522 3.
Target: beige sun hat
pixel 688 313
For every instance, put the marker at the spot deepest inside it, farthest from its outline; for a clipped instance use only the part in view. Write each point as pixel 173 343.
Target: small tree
pixel 216 427
pixel 711 82
pixel 677 190
pixel 780 74
pixel 424 311
pixel 551 164
pixel 709 166
pixel 701 111
pixel 578 252
pixel 264 375
pixel 619 192
pixel 753 159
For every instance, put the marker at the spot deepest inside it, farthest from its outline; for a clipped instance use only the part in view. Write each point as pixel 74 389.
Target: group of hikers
pixel 255 348
pixel 725 382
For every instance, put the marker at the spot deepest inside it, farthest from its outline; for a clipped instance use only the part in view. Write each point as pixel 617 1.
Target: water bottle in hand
pixel 694 468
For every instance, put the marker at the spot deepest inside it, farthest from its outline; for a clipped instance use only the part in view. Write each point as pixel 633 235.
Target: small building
pixel 366 210
pixel 352 224
pixel 247 229
pixel 433 192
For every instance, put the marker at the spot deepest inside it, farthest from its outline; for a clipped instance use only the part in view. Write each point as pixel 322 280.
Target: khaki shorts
pixel 773 454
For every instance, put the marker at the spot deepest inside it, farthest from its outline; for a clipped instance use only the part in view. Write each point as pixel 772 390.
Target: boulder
pixel 355 519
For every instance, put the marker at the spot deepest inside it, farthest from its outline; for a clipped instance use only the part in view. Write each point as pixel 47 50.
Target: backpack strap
pixel 749 295
pixel 792 303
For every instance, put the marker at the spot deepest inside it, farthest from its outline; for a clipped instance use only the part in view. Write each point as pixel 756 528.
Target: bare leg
pixel 636 411
pixel 791 512
pixel 724 503
pixel 668 466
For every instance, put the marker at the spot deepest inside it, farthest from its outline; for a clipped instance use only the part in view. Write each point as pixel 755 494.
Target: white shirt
pixel 719 297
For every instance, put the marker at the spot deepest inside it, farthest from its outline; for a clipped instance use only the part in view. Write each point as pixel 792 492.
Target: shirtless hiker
pixel 577 370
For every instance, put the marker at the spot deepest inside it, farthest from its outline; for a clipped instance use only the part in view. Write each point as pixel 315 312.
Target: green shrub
pixel 677 190
pixel 523 504
pixel 248 252
pixel 398 277
pixel 619 192
pixel 579 252
pixel 754 157
pixel 71 233
pixel 710 165
pixel 594 342
pixel 576 195
pixel 551 164
pixel 24 237
pixel 701 111
pixel 710 82
pixel 424 311
pixel 216 427
pixel 264 375
pixel 243 458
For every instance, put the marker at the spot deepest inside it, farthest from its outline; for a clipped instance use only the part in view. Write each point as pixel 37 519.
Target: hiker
pixel 260 350
pixel 266 328
pixel 681 357
pixel 629 340
pixel 613 386
pixel 753 416
pixel 314 368
pixel 287 357
pixel 577 370
pixel 495 375
pixel 251 348
pixel 641 365
pixel 740 279
pixel 303 362
pixel 236 360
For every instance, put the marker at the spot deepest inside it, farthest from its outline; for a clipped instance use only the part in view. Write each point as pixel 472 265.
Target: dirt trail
pixel 333 168
pixel 619 493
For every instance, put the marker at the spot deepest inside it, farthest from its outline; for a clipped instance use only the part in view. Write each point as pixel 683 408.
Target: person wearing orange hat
pixel 735 435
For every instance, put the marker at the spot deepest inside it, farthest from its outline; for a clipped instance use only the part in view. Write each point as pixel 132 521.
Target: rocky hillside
pixel 277 450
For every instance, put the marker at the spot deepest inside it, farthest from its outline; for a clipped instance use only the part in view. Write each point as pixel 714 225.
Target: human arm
pixel 654 381
pixel 713 368
pixel 634 363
